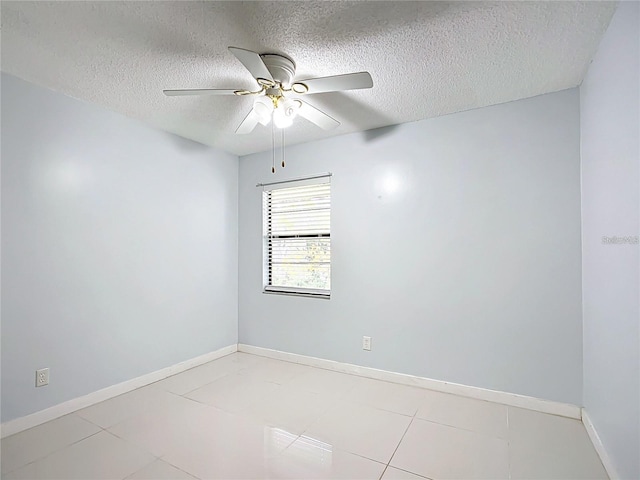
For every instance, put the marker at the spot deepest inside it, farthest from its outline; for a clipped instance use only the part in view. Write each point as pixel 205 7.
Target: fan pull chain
pixel 273 148
pixel 283 148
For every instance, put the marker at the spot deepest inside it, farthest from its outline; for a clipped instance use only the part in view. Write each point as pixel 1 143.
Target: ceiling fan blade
pixel 349 81
pixel 316 116
pixel 198 91
pixel 252 62
pixel 249 123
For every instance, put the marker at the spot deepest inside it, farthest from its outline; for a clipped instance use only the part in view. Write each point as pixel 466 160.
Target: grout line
pixel 141 468
pixel 197 388
pixel 55 451
pixel 476 432
pixel 402 438
pixel 358 455
pixel 281 452
pixel 80 416
pixel 134 444
pixel 398 446
pixel 162 458
pixel 412 473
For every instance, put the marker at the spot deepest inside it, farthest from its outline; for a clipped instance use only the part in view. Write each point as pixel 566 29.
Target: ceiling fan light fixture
pixel 263 106
pixel 281 119
pixel 286 110
pixel 289 107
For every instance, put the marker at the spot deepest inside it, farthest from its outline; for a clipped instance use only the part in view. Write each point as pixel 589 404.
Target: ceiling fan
pixel 274 74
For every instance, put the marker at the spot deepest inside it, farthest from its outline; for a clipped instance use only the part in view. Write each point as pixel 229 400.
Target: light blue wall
pixel 119 248
pixel 610 127
pixel 455 246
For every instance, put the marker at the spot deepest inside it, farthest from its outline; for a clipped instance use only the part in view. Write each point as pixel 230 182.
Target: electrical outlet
pixel 42 377
pixel 366 343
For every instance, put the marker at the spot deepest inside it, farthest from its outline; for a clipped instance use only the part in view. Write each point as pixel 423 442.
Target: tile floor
pixel 245 416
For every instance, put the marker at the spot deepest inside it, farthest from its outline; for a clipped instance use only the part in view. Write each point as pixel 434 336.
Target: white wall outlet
pixel 366 343
pixel 42 377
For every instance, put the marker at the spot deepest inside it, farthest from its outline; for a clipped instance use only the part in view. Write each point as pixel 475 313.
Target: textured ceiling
pixel 426 58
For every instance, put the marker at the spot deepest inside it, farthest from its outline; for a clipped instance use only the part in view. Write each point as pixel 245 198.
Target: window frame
pixel 268 238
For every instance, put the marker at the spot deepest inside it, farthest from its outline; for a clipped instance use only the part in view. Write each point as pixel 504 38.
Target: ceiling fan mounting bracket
pixel 282 69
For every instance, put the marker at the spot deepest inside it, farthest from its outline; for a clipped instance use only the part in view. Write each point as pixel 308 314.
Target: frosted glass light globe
pixel 263 106
pixel 281 119
pixel 285 112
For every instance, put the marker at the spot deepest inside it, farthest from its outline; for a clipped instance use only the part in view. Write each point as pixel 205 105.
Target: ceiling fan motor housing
pixel 282 69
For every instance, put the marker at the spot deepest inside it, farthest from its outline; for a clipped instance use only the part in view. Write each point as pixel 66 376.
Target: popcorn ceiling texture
pixel 426 58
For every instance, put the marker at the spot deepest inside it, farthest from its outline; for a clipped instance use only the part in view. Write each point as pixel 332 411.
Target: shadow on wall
pixel 347 109
pixel 184 144
pixel 376 133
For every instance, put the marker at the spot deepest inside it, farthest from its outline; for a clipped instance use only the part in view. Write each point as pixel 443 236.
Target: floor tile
pixel 117 409
pixel 274 371
pixel 233 448
pixel 101 456
pixel 467 413
pixel 232 393
pixel 40 441
pixel 539 430
pixel 197 377
pixel 529 463
pixel 160 470
pixel 360 429
pixel 548 447
pixel 443 452
pixel 244 359
pixel 290 408
pixel 317 380
pixel 395 474
pixel 308 458
pixel 387 396
pixel 160 430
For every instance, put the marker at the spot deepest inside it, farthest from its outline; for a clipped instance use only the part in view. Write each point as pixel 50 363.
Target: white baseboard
pixel 51 413
pixel 505 398
pixel 599 446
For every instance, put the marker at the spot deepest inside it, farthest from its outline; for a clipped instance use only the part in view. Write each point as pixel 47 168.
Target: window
pixel 297 238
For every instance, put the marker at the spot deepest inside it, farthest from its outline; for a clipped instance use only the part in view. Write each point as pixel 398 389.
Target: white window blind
pixel 297 237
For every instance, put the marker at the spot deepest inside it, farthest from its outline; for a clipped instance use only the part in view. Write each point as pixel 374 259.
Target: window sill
pixel 323 296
